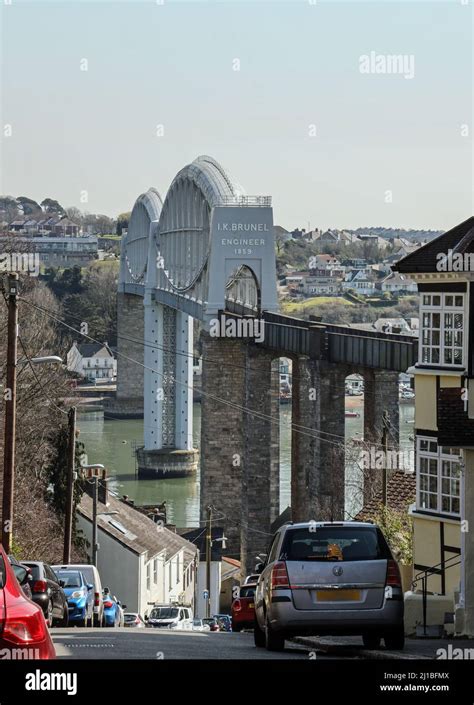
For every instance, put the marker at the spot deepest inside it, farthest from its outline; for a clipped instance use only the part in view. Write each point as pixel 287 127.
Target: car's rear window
pixel 35 571
pixel 3 575
pixel 130 617
pixel 334 543
pixel 247 591
pixel 70 578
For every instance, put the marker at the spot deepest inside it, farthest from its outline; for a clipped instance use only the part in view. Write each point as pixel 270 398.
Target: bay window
pixel 438 477
pixel 442 329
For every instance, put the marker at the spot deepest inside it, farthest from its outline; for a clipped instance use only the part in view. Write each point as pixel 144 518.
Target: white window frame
pixel 444 309
pixel 440 456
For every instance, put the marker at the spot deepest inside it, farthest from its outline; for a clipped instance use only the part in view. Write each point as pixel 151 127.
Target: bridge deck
pixel 335 343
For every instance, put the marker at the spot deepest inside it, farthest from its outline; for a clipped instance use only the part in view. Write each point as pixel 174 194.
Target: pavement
pixel 415 648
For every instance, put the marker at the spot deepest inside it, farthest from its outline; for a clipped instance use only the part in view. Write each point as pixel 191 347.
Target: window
pixel 155 571
pixel 438 477
pixel 177 569
pixel 148 576
pixel 170 574
pixel 442 333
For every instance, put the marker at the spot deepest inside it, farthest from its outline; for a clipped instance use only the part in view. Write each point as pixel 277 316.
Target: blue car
pixel 80 597
pixel 113 610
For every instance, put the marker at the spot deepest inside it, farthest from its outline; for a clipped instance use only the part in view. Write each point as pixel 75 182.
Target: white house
pixel 360 281
pixel 93 361
pixel 141 561
pixel 396 283
pixel 198 539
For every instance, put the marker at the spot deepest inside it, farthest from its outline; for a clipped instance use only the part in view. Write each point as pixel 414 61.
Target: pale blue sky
pixel 172 64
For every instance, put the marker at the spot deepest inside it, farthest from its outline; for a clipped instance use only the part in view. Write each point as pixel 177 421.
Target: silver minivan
pixel 329 578
pixel 91 575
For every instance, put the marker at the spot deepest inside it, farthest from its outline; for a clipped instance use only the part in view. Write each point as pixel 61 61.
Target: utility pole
pixel 208 561
pixel 385 422
pixel 10 414
pixel 95 486
pixel 71 467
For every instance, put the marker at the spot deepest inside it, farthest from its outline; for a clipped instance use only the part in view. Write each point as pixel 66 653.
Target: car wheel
pixel 258 635
pixel 371 641
pixel 274 641
pixel 395 638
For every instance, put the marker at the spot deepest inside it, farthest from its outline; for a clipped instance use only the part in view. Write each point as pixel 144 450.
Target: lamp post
pixel 10 410
pixel 95 491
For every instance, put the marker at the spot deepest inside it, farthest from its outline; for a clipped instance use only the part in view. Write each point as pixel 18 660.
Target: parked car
pixel 243 608
pixel 48 593
pixel 91 575
pixel 171 617
pixel 80 597
pixel 113 612
pixel 200 626
pixel 224 621
pixel 22 624
pixel 329 578
pixel 133 619
pixel 251 578
pixel 212 623
pixel 25 583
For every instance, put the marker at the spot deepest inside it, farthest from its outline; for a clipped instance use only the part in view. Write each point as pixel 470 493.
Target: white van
pixel 91 575
pixel 170 617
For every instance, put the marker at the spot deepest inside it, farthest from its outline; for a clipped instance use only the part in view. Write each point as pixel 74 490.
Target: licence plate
pixel 251 605
pixel 337 595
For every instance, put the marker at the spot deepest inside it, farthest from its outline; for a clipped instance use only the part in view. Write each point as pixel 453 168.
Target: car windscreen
pixel 164 613
pixel 35 571
pixel 129 617
pixel 71 579
pixel 247 591
pixel 334 543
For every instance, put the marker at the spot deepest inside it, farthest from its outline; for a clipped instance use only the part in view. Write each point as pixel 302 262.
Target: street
pixel 74 643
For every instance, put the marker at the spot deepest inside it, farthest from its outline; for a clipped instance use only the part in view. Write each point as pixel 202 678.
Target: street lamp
pixel 95 466
pixel 10 410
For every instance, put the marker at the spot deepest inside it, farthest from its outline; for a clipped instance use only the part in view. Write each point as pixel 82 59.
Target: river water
pixel 111 443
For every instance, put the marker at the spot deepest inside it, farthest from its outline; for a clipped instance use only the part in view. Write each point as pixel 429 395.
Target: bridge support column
pixel 168 450
pixel 128 402
pixel 317 458
pixel 380 394
pixel 240 449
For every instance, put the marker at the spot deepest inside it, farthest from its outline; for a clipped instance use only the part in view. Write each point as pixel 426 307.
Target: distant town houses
pixel 93 362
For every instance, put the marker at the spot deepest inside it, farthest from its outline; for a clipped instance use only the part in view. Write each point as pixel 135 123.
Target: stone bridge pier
pixel 380 394
pixel 317 440
pixel 240 448
pixel 128 402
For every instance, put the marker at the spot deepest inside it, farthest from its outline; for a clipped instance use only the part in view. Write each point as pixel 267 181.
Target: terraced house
pixel 443 514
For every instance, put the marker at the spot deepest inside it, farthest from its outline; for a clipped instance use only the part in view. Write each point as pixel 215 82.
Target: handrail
pixel 423 576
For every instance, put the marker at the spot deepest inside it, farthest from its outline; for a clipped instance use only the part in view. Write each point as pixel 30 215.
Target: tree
pixel 52 207
pixel 29 207
pixel 74 214
pixel 122 222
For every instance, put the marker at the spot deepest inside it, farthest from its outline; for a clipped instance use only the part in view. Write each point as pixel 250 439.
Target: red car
pixel 243 608
pixel 23 630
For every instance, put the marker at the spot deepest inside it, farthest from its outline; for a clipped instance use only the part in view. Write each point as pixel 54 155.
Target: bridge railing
pixel 252 201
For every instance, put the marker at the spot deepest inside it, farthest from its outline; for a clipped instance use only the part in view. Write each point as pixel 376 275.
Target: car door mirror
pixel 259 567
pixel 90 587
pixel 22 574
pixel 62 583
pixel 124 607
